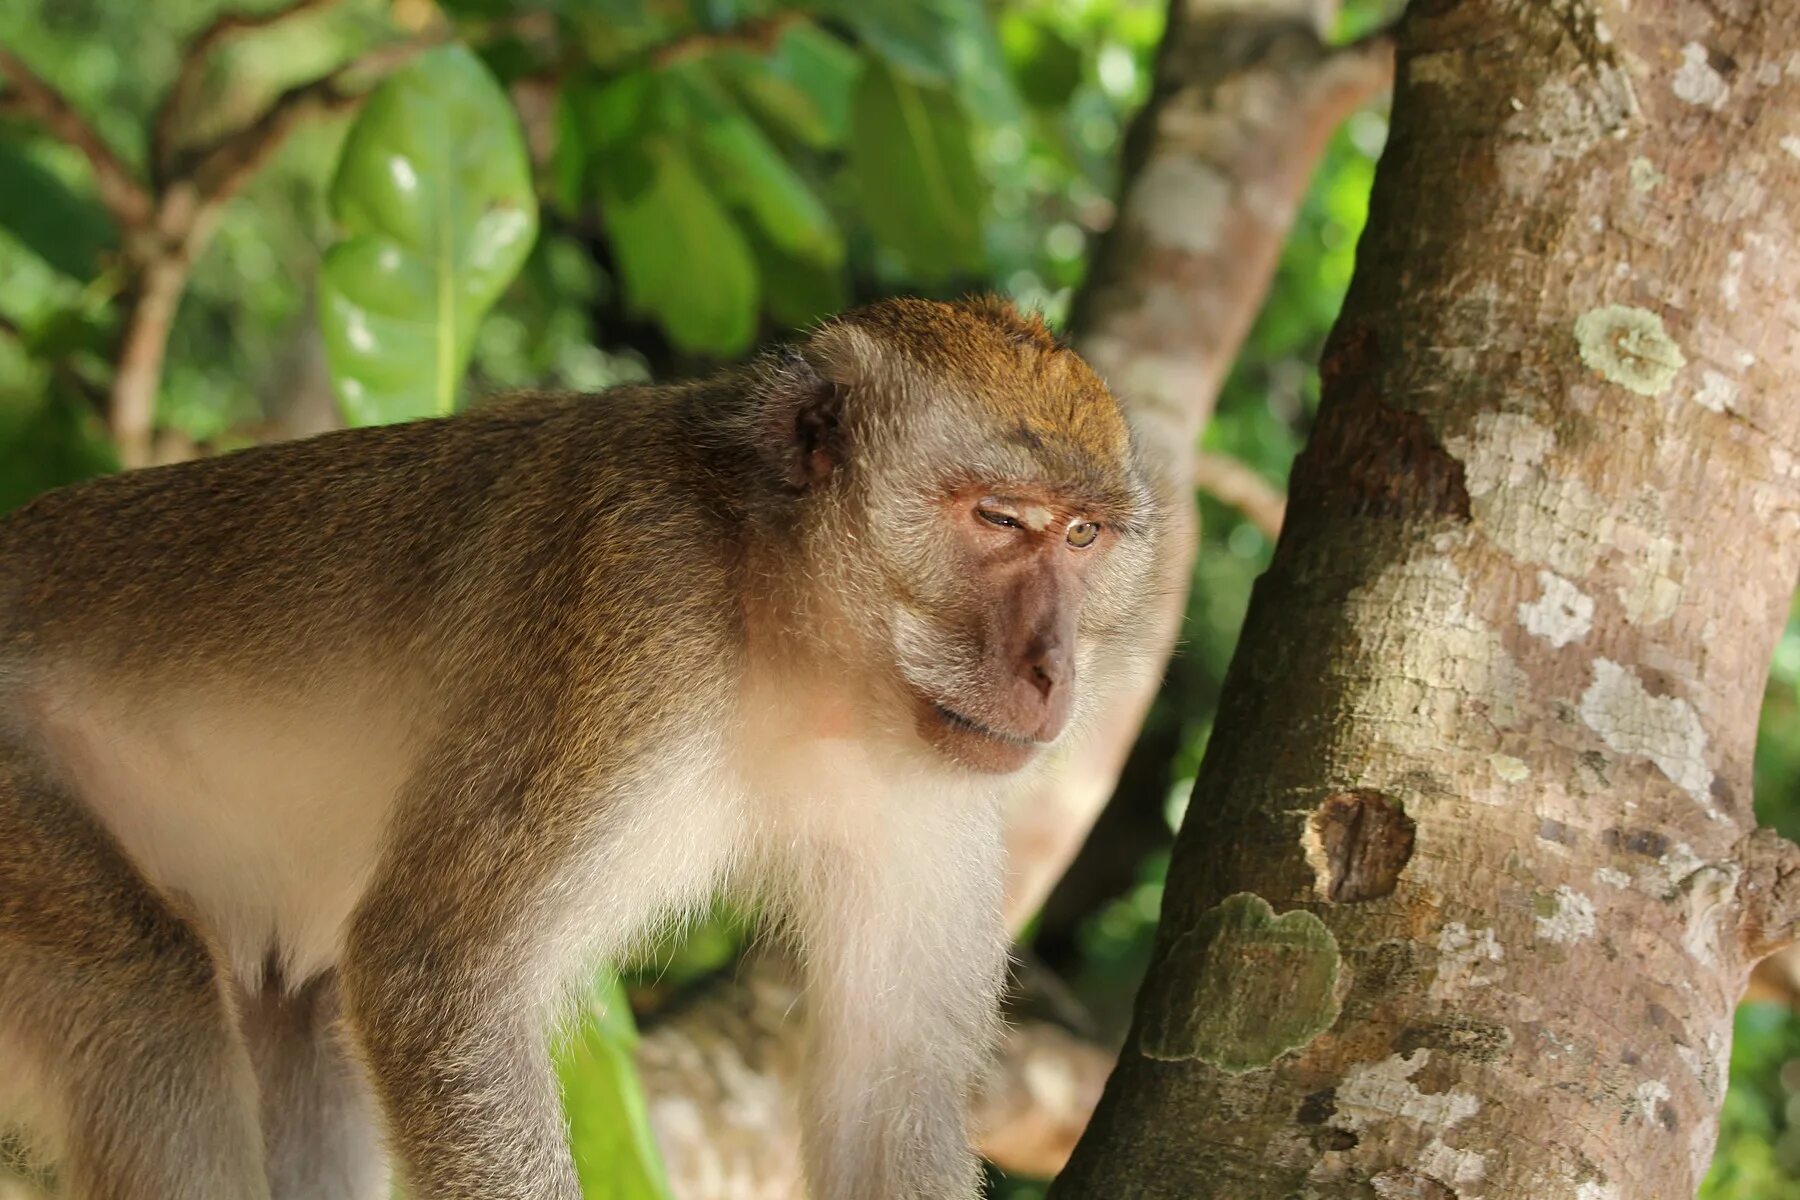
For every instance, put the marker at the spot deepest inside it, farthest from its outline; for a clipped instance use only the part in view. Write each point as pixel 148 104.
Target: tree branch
pixel 1231 482
pixel 164 134
pixel 121 191
pixel 227 165
pixel 761 35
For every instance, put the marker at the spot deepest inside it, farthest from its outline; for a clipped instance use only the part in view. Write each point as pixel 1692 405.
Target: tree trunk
pixel 1486 744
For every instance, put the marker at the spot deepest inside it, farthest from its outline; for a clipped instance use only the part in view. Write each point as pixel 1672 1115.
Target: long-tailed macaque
pixel 327 768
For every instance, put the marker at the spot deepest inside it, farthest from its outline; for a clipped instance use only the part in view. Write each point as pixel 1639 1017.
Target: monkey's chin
pixel 973 745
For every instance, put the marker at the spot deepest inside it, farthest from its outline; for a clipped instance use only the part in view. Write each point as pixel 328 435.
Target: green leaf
pixel 1047 66
pixel 797 292
pixel 433 191
pixel 48 440
pixel 913 36
pixel 915 175
pixel 616 1155
pixel 683 258
pixel 65 229
pixel 803 87
pixel 748 170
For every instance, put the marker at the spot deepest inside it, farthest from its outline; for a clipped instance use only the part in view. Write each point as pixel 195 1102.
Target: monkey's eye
pixel 1082 534
pixel 995 516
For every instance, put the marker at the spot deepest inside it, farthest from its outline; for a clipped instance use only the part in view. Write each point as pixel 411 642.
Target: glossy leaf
pixel 915 175
pixel 434 194
pixel 616 1155
pixel 683 257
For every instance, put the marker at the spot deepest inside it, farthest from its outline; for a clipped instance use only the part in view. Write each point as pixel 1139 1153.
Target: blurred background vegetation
pixel 620 189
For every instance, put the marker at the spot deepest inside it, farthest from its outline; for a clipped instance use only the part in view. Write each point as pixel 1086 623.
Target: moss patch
pixel 1242 988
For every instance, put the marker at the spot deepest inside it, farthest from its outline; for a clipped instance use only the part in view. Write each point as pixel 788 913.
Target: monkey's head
pixel 973 522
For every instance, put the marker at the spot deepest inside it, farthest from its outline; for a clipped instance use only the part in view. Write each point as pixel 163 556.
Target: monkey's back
pixel 397 533
pixel 241 664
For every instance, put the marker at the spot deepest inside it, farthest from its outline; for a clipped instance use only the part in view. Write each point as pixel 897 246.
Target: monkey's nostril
pixel 1042 679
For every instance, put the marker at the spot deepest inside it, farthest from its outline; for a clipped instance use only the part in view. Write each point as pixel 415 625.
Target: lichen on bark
pixel 1242 987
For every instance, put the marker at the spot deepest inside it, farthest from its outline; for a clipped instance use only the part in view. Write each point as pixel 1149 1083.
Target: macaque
pixel 327 769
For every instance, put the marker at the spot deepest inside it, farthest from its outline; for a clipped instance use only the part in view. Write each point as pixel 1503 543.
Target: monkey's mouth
pixel 978 747
pixel 956 720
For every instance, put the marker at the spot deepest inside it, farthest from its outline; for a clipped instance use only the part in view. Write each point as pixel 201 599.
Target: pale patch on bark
pixel 1732 195
pixel 1731 286
pixel 1382 1091
pixel 1645 1099
pixel 1571 918
pixel 1717 392
pixel 1612 877
pixel 1644 176
pixel 1664 729
pixel 1176 202
pixel 1630 347
pixel 1561 614
pixel 1711 901
pixel 1566 529
pixel 1654 590
pixel 1509 769
pixel 1503 451
pixel 1696 82
pixel 1417 698
pixel 1679 862
pixel 1710 1065
pixel 1791 144
pixel 1466 959
pixel 1596 1191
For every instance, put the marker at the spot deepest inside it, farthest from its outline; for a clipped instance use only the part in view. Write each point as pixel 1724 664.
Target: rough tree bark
pixel 1246 94
pixel 1486 744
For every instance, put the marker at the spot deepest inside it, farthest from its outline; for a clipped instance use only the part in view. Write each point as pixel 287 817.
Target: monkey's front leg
pixel 447 975
pixel 904 954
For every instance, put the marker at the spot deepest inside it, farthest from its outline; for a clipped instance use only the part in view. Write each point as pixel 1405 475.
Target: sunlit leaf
pixel 915 175
pixel 433 192
pixel 616 1155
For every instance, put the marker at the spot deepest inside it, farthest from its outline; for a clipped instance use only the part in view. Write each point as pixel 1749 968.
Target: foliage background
pixel 708 174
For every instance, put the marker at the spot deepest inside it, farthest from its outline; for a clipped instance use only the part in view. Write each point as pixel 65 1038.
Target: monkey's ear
pixel 803 431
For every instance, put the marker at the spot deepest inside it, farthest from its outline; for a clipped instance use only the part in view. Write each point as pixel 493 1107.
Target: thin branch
pixel 121 191
pixel 1231 482
pixel 164 135
pixel 1357 72
pixel 226 166
pixel 761 35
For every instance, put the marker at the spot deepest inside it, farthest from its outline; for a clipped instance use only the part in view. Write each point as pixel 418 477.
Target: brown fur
pixel 424 717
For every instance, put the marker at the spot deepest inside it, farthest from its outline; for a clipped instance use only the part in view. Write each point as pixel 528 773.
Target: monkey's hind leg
pixel 112 1009
pixel 320 1126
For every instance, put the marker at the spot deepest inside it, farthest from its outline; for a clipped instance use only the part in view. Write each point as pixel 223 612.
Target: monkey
pixel 328 767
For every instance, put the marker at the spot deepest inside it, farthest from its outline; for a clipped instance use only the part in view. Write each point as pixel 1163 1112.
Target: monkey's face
pixel 993 518
pixel 995 665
